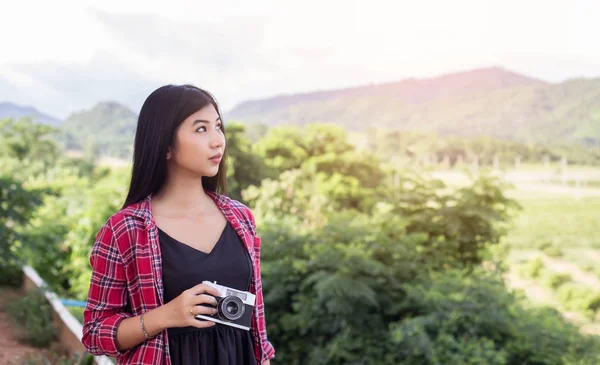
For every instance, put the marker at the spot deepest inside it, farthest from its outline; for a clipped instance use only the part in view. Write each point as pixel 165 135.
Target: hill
pixel 108 126
pixel 493 101
pixel 10 110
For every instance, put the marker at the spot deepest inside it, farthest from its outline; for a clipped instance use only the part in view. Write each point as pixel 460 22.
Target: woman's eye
pixel 203 129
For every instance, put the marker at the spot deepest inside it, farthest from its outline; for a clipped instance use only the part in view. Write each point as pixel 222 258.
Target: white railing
pixel 70 330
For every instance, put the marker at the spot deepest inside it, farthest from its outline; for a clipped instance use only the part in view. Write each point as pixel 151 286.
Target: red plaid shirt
pixel 127 281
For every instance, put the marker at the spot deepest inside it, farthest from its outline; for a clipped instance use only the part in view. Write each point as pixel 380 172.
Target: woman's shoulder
pixel 223 201
pixel 134 216
pixel 237 208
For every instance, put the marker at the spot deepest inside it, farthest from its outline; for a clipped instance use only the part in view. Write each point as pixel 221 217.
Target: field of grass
pixel 555 219
pixel 555 248
pixel 554 241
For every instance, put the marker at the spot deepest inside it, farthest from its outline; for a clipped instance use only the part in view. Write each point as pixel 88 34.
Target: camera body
pixel 234 307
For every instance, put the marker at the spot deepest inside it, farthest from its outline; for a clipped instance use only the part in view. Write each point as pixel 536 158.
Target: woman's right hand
pixel 181 310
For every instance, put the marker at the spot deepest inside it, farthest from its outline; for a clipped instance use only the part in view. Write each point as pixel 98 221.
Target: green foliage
pixel 33 314
pixel 26 141
pixel 467 318
pixel 327 288
pixel 57 357
pixel 244 166
pixel 286 148
pixel 16 207
pixel 555 220
pixel 61 232
pixel 555 280
pixel 358 267
pixel 26 148
pixel 77 312
pixel 459 223
pixel 394 145
pixel 533 268
pixel 579 298
pixel 355 292
pixel 107 129
pixel 294 196
pixel 551 249
pixel 99 203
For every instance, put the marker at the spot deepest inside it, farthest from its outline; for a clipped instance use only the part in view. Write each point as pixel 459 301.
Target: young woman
pixel 175 231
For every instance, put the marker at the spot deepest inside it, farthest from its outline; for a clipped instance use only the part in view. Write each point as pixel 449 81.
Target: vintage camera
pixel 234 307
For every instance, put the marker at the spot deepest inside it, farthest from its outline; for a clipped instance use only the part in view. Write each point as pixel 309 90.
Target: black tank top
pixel 183 267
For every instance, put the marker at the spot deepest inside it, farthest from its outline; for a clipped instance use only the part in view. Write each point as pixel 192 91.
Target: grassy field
pixel 555 244
pixel 554 241
pixel 557 219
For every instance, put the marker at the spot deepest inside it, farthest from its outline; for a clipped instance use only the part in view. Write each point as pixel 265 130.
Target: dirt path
pixel 541 295
pixel 12 352
pixel 578 275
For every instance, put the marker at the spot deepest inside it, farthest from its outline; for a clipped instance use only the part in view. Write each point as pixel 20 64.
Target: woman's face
pixel 199 143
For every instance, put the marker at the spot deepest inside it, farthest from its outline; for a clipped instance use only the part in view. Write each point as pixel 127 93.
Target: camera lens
pixel 231 308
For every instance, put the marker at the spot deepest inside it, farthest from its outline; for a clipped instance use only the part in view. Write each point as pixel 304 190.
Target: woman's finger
pixel 204 299
pixel 201 323
pixel 202 309
pixel 203 288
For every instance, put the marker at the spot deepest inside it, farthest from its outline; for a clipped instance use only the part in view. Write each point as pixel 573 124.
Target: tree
pixel 27 141
pixel 245 167
pixel 16 206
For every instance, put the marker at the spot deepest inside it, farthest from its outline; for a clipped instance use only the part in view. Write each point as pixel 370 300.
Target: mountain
pixel 108 127
pixel 13 111
pixel 491 101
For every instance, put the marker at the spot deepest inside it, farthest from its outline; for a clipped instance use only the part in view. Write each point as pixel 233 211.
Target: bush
pixel 553 251
pixel 16 206
pixel 57 356
pixel 579 298
pixel 358 292
pixel 478 313
pixel 533 268
pixel 33 314
pixel 555 280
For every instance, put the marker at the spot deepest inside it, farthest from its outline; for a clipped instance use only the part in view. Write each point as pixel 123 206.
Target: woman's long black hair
pixel 161 115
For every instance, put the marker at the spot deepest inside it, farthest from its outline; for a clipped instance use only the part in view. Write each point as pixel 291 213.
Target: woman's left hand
pixel 268 362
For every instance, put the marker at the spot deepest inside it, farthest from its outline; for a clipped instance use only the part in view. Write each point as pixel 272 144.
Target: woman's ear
pixel 169 153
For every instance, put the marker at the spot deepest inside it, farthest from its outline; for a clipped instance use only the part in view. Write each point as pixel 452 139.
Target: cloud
pixel 81 85
pixel 215 48
pixel 252 50
pixel 239 57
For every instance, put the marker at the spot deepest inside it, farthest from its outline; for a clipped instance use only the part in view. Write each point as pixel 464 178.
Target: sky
pixel 63 56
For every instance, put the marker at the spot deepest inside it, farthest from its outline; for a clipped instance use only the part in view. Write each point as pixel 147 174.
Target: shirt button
pixel 154 245
pixel 148 223
pixel 160 280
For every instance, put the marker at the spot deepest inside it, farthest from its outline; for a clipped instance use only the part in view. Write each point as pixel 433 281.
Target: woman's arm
pixel 177 313
pixel 107 300
pixel 109 326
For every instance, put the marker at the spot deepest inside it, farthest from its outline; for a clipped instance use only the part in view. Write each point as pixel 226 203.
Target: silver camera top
pixel 246 297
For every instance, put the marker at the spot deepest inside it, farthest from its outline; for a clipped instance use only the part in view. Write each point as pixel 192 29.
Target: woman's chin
pixel 211 172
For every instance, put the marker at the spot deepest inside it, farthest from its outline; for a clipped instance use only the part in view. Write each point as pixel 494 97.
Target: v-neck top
pixel 228 264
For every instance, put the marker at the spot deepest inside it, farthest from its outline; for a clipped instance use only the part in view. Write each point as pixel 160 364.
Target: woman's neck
pixel 184 195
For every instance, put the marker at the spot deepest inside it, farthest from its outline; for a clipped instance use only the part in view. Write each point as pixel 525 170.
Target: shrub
pixel 579 298
pixel 553 251
pixel 533 268
pixel 33 314
pixel 555 280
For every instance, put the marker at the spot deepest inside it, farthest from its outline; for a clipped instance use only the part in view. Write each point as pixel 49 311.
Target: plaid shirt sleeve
pixel 107 297
pixel 266 349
